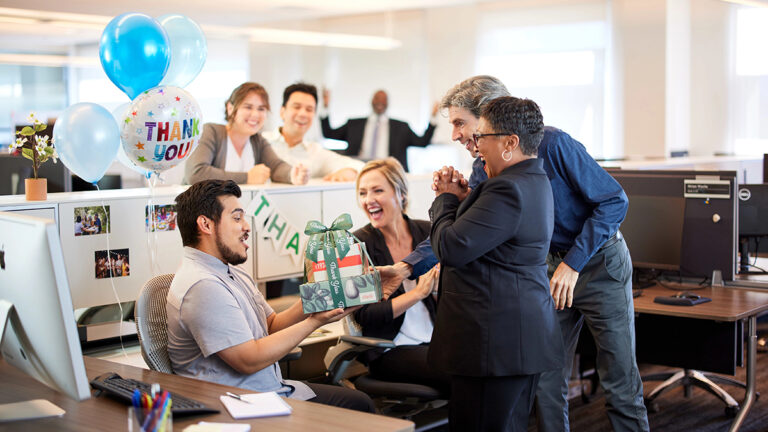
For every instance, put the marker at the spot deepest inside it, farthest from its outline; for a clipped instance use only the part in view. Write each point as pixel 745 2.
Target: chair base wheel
pixel 731 411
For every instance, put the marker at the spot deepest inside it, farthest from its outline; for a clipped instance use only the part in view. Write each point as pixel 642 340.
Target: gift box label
pixel 357 290
pixel 350 265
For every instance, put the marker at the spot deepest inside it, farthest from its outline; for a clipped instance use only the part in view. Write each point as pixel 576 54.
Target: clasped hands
pixel 449 180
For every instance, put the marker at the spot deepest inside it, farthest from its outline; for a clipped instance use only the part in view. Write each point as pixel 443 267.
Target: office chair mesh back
pixel 151 323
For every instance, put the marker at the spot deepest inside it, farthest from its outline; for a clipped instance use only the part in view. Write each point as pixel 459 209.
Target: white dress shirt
pixel 417 326
pixel 319 160
pixel 241 163
pixel 382 138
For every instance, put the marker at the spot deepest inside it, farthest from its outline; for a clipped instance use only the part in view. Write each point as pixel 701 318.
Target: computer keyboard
pixel 122 389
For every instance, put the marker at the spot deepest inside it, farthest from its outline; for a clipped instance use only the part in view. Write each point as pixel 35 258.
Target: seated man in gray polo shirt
pixel 220 327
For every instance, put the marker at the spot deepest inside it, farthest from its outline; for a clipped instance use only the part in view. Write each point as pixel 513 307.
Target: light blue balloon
pixel 135 52
pixel 119 115
pixel 188 49
pixel 86 137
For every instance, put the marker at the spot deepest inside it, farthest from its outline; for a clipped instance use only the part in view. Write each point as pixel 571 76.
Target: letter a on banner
pixel 291 245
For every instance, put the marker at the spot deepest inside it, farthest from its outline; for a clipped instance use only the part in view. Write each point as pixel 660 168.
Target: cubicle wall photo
pixel 149 253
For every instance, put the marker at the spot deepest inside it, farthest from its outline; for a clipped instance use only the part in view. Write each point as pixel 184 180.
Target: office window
pixel 555 56
pixel 29 88
pixel 749 92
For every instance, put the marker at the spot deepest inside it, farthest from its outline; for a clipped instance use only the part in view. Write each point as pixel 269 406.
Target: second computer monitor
pixel 681 221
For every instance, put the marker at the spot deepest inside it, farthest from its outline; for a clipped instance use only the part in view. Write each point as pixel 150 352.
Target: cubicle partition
pixel 140 252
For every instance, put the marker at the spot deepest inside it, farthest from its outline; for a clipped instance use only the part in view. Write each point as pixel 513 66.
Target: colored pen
pixel 152 414
pixel 164 417
pixel 136 400
pixel 159 409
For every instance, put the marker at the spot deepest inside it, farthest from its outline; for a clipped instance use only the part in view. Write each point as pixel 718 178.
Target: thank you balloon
pixel 134 52
pixel 188 49
pixel 86 138
pixel 119 114
pixel 161 128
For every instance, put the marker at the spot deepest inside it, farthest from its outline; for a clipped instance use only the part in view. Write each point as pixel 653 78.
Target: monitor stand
pixel 27 410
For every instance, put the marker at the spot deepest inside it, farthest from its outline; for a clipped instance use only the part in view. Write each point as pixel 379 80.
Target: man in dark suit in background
pixel 377 136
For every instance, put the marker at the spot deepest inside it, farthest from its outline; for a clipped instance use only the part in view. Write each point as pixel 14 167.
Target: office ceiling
pixel 23 35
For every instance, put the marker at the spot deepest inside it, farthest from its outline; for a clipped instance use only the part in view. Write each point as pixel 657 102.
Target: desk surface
pixel 102 413
pixel 728 304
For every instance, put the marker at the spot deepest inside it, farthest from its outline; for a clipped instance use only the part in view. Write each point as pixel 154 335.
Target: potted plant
pixel 38 149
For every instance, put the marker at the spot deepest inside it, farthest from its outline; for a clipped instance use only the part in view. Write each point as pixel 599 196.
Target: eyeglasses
pixel 477 136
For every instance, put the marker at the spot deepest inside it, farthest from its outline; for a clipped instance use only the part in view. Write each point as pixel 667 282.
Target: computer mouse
pixel 688 295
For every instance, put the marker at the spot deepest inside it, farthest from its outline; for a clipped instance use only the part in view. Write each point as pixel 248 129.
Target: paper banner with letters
pixel 269 222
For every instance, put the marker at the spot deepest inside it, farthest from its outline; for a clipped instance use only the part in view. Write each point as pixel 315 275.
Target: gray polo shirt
pixel 213 306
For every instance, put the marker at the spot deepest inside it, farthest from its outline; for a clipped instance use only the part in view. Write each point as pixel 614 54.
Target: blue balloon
pixel 188 49
pixel 135 52
pixel 86 137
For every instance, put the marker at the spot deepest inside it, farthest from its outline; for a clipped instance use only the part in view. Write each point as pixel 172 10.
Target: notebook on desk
pixel 256 405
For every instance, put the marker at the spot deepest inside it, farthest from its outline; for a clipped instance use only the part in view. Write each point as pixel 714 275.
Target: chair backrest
pixel 151 323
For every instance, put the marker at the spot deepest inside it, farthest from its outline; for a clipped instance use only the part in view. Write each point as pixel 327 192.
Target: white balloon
pixel 161 128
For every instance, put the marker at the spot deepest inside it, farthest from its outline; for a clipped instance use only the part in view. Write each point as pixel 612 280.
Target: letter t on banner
pixel 261 209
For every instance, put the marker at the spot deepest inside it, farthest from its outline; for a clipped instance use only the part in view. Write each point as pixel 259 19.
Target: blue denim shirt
pixel 589 204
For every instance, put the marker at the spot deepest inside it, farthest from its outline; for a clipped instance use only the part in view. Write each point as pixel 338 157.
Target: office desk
pixel 728 305
pixel 103 413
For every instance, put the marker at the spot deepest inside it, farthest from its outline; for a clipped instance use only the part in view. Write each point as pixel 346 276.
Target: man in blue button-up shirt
pixel 590 268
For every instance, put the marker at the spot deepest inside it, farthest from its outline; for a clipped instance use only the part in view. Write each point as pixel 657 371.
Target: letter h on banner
pixel 268 222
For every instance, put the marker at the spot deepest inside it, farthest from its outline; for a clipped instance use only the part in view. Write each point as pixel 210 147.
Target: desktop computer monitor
pixel 681 221
pixel 753 224
pixel 37 323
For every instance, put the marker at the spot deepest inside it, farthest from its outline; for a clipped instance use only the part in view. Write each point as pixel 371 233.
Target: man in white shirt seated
pixel 297 113
pixel 220 327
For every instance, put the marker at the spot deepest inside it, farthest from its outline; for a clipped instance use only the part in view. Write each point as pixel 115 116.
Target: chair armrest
pixel 295 354
pixel 368 341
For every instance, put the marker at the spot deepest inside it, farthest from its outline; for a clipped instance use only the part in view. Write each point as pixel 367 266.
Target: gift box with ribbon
pixel 337 269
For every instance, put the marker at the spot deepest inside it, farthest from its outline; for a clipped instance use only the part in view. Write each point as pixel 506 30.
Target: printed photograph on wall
pixel 91 220
pixel 112 264
pixel 160 217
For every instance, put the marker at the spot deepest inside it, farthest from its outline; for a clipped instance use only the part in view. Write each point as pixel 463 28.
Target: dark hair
pixel 299 87
pixel 202 198
pixel 521 117
pixel 240 93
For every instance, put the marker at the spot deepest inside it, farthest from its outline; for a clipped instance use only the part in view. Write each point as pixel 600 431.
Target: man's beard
pixel 228 254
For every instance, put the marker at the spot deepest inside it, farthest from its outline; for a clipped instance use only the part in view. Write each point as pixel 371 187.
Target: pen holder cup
pixel 165 424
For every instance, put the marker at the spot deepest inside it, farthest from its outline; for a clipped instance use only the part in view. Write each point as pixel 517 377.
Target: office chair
pixel 397 399
pixel 688 378
pixel 151 325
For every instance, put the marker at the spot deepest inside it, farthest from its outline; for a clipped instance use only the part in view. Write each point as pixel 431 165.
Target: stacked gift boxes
pixel 349 280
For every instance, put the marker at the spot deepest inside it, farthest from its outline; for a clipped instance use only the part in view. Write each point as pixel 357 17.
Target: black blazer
pixel 376 319
pixel 400 137
pixel 496 315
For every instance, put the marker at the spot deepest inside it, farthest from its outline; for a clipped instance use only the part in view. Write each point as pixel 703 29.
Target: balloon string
pixel 108 220
pixel 152 237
